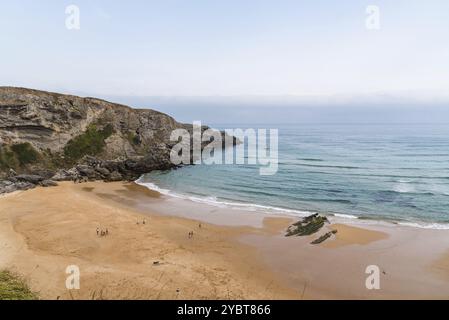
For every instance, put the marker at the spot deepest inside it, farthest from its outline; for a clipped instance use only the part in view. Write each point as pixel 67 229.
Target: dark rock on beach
pixel 48 183
pixel 7 186
pixel 324 237
pixel 24 182
pixel 30 178
pixel 307 226
pixel 115 176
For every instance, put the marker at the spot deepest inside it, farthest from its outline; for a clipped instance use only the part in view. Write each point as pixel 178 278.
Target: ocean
pixel 379 172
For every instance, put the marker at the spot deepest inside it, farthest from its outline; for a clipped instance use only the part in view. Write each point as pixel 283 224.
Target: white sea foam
pixel 153 187
pixel 404 187
pixel 224 204
pixel 213 201
pixel 423 225
pixel 346 216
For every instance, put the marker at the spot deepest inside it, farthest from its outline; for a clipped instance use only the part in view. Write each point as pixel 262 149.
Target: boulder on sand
pixel 307 226
pixel 31 178
pixel 324 237
pixel 48 183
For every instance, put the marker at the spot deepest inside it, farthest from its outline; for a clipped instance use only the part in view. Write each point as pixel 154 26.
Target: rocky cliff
pixel 45 137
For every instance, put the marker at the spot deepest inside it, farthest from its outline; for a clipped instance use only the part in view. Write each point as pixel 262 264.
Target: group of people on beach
pixel 191 232
pixel 143 222
pixel 102 233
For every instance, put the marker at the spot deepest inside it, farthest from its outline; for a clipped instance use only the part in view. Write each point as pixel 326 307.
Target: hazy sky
pixel 227 48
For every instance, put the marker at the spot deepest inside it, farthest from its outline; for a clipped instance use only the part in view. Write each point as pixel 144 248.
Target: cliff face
pixel 66 137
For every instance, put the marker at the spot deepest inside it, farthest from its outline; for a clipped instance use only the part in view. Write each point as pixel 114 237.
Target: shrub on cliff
pixel 133 138
pixel 18 155
pixel 91 142
pixel 25 153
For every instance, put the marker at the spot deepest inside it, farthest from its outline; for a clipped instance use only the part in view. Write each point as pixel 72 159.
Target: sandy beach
pixel 247 256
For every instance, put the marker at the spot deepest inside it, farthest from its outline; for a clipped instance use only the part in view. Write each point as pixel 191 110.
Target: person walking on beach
pixel 107 231
pixel 98 231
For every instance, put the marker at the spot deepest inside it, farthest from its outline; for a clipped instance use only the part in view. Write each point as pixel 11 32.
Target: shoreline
pixel 297 214
pixel 55 227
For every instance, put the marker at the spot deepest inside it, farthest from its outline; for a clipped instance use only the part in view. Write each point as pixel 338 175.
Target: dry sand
pixel 44 230
pixel 349 235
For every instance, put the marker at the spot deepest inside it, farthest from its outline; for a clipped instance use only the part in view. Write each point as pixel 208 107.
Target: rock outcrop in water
pixel 46 137
pixel 307 226
pixel 310 225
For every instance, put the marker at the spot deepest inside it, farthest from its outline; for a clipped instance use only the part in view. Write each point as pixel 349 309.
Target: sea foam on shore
pixel 251 207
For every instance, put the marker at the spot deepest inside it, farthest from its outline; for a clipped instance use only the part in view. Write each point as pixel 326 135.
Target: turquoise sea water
pixel 388 172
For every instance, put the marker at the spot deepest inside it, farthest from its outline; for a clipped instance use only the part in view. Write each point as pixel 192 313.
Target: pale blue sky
pixel 228 48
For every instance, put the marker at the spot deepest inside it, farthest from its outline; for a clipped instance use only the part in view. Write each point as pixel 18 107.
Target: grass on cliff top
pixel 18 155
pixel 90 142
pixel 13 288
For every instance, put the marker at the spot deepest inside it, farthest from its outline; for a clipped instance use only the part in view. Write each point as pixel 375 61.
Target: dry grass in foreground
pixel 13 288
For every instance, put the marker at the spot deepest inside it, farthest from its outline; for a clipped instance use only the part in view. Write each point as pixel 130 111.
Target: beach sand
pixel 44 230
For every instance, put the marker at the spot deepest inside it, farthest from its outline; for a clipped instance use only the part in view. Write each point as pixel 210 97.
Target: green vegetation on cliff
pixel 18 155
pixel 90 142
pixel 13 288
pixel 133 138
pixel 25 153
